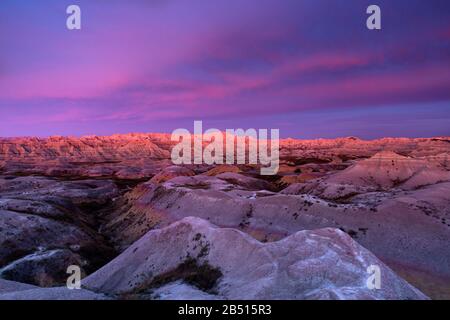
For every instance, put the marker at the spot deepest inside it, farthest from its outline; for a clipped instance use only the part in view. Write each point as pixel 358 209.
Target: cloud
pixel 172 61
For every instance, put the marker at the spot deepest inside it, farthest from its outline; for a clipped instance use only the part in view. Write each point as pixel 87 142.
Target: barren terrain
pixel 142 228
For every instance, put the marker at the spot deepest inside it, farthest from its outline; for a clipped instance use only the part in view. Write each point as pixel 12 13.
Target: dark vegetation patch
pixel 246 219
pixel 363 230
pixel 307 203
pixel 200 275
pixel 352 233
pixel 345 199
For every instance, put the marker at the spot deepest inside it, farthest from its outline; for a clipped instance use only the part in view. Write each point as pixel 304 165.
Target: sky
pixel 310 68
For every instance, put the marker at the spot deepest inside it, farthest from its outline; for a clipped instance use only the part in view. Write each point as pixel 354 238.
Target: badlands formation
pixel 141 228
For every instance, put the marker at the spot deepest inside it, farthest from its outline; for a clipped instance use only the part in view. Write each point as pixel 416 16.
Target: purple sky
pixel 307 67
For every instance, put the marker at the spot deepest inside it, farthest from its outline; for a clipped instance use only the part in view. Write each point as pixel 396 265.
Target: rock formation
pixel 118 205
pixel 192 256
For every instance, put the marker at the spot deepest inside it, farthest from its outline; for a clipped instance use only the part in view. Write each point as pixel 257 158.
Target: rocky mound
pixel 321 264
pixel 10 290
pixel 170 173
pixel 387 170
pixel 47 225
pixel 387 224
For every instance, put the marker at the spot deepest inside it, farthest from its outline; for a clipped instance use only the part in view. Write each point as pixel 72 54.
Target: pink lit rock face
pixel 118 203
